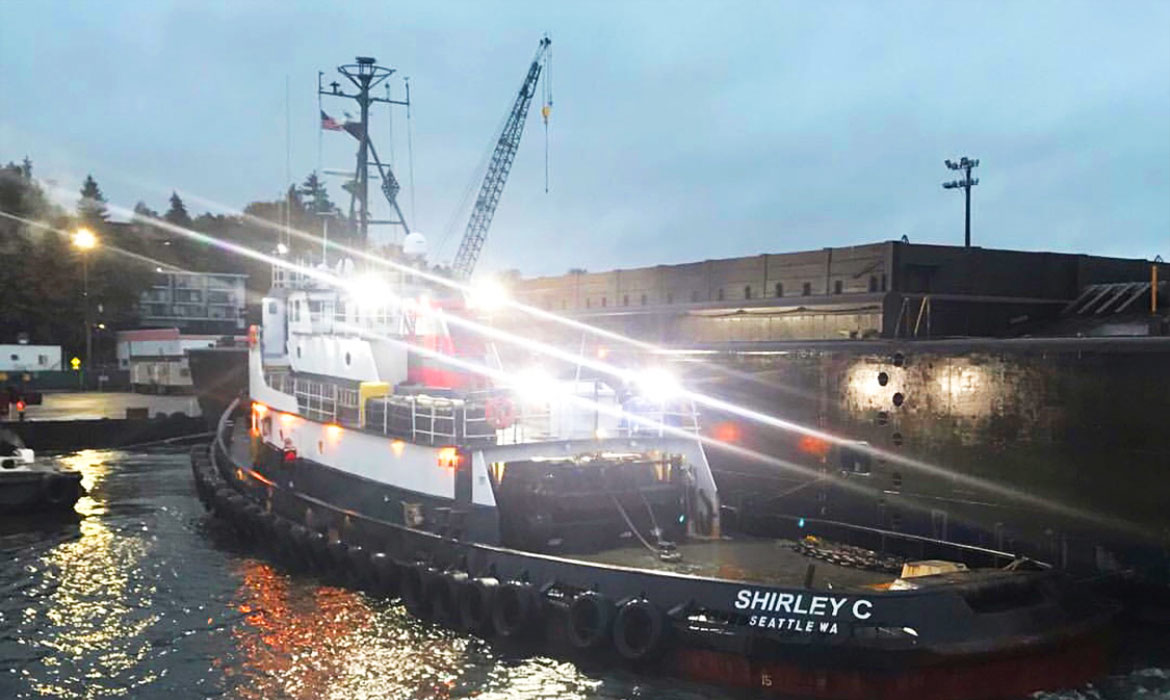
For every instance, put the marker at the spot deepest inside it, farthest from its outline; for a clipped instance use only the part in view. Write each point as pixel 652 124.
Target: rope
pixel 410 150
pixel 630 524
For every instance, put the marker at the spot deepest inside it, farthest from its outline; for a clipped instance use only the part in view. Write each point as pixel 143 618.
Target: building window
pixel 42 360
pixel 747 292
pixel 625 300
pixel 806 289
pixel 779 289
pixel 872 283
pixel 643 300
pixel 14 358
pixel 719 294
pixel 883 281
pixel 837 287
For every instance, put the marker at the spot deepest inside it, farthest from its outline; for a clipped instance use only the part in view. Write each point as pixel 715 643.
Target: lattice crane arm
pixel 498 169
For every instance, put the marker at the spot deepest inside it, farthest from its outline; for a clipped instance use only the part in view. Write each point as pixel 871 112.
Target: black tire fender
pixel 590 616
pixel 639 630
pixel 385 572
pixel 413 588
pixel 513 609
pixel 475 601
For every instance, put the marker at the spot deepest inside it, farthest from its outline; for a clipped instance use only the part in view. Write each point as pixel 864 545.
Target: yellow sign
pixel 76 362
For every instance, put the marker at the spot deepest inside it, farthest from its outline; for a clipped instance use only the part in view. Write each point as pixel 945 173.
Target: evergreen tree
pixel 91 208
pixel 177 214
pixel 314 192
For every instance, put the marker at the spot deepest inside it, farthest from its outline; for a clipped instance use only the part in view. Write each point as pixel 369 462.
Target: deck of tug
pixel 743 558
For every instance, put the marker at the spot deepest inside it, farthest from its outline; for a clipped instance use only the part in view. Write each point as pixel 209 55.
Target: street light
pixel 964 165
pixel 84 240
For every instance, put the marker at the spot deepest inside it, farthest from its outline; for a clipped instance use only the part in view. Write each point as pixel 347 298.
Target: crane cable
pixel 546 108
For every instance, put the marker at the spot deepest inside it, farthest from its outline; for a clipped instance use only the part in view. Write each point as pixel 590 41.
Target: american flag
pixel 328 123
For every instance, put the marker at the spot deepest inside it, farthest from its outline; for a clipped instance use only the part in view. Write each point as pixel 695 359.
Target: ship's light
pixel 370 291
pixel 727 431
pixel 449 458
pixel 287 419
pixel 487 295
pixel 397 447
pixel 260 409
pixel 533 384
pixel 658 385
pixel 333 431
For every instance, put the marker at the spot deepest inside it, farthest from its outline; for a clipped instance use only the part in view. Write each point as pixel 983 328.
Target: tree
pixel 177 214
pixel 314 192
pixel 91 208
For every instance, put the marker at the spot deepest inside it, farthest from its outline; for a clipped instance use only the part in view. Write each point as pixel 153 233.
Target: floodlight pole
pixel 965 164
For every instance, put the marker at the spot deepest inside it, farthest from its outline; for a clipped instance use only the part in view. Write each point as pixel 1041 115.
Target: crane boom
pixel 497 171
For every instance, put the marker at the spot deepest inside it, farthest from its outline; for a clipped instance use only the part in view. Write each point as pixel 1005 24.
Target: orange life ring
pixel 499 412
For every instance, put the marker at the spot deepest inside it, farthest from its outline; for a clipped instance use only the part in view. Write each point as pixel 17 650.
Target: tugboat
pixel 27 486
pixel 381 448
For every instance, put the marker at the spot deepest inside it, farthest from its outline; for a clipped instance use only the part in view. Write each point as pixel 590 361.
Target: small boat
pixel 582 515
pixel 28 486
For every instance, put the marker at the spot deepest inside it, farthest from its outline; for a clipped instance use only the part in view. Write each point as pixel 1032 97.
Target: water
pixel 145 596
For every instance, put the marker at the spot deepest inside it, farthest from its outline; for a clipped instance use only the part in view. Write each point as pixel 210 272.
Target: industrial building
pixel 888 289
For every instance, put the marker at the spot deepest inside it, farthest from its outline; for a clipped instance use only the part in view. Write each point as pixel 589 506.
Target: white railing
pixel 320 401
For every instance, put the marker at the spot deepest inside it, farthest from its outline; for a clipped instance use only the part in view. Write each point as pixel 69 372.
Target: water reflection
pixel 305 640
pixel 94 604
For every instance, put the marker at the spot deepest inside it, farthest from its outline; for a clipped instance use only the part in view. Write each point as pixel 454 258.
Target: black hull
pixel 645 616
pixel 31 492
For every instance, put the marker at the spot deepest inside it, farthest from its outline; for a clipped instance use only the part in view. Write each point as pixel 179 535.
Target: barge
pixel 28 486
pixel 582 516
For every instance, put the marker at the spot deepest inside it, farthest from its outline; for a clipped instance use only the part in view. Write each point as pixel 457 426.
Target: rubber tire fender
pixel 639 630
pixel 220 502
pixel 513 609
pixel 474 604
pixel 442 594
pixel 385 572
pixel 57 490
pixel 319 549
pixel 589 619
pixel 360 574
pixel 413 588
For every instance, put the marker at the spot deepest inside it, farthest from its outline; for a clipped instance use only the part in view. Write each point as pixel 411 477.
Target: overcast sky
pixel 680 131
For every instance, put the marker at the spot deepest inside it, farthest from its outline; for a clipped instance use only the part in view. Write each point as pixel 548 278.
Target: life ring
pixel 513 609
pixel 475 601
pixel 590 617
pixel 499 412
pixel 639 630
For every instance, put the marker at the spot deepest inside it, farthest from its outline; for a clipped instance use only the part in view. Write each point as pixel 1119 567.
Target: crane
pixel 498 169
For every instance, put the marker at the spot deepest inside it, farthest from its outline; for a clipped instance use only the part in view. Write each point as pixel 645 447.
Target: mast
pixel 365 74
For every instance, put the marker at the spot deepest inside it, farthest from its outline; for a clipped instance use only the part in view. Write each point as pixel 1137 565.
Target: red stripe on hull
pixel 1066 666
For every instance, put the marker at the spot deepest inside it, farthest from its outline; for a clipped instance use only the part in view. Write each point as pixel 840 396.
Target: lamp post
pixel 964 165
pixel 85 241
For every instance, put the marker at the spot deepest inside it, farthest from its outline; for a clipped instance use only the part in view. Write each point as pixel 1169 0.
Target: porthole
pixel 883 418
pixel 899 359
pixel 883 379
pixel 898 398
pixel 896 438
pixel 348 359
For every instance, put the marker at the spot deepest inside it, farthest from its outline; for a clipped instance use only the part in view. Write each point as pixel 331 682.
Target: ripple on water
pixel 141 596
